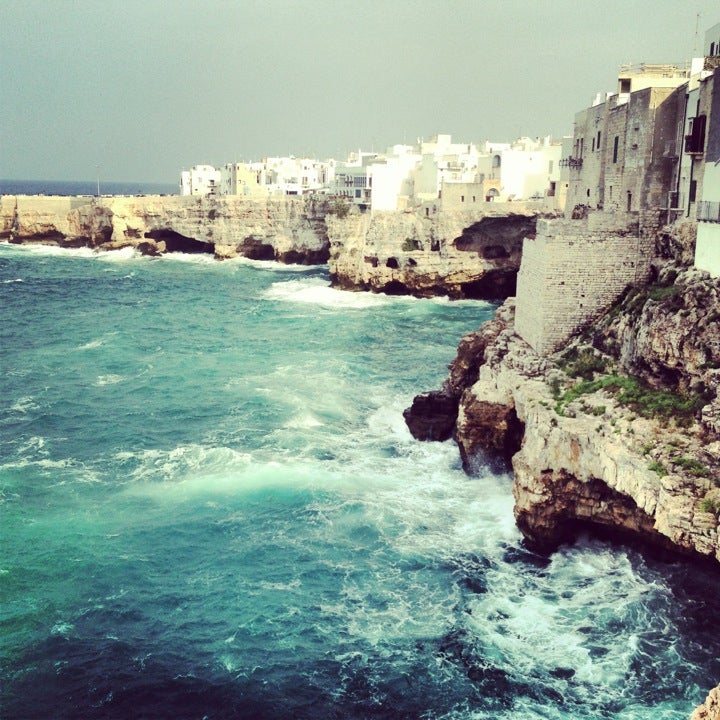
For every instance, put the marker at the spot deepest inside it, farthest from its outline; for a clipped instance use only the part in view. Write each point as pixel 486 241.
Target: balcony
pixel 572 162
pixel 708 211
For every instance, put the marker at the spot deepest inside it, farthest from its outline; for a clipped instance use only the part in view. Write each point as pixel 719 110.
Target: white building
pixel 404 176
pixel 529 169
pixel 199 180
pixel 706 135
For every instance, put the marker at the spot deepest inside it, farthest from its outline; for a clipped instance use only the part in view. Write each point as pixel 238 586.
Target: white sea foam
pixel 109 379
pixel 32 445
pixel 98 342
pixel 51 250
pixel 16 280
pixel 183 463
pixel 315 291
pixel 274 265
pixel 120 255
pixel 194 258
pixel 24 405
pixel 302 421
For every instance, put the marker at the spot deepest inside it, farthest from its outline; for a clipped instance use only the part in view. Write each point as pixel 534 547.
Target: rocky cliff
pixel 459 253
pixel 617 433
pixel 284 229
pixel 473 254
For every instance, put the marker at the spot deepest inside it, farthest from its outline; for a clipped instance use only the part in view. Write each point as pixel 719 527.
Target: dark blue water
pixel 211 507
pixel 57 187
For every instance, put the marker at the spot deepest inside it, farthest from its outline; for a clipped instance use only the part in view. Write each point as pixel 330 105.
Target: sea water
pixel 212 508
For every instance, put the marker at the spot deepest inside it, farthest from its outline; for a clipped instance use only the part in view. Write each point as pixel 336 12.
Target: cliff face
pixel 618 432
pixel 710 709
pixel 462 254
pixel 283 229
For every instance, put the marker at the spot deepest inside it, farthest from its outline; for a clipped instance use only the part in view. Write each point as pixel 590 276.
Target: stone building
pixel 641 157
pixel 626 145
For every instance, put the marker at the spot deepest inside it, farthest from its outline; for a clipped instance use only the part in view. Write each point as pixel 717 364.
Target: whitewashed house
pixel 199 180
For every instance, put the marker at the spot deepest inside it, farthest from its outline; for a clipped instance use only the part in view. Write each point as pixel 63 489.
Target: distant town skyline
pixel 136 91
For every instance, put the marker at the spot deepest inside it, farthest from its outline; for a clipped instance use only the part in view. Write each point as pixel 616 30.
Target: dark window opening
pixel 616 144
pixel 695 140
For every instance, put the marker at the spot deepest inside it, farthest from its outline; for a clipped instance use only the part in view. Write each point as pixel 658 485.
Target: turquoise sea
pixel 210 507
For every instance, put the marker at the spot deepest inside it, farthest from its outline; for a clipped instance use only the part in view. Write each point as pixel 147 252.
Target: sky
pixel 137 90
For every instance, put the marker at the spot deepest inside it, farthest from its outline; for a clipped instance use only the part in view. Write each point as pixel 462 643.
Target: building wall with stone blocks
pixel 627 146
pixel 573 270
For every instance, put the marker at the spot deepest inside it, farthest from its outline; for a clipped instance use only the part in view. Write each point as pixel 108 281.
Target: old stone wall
pixel 613 196
pixel 572 270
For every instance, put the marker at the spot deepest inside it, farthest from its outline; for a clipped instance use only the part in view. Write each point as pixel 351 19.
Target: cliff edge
pixel 618 432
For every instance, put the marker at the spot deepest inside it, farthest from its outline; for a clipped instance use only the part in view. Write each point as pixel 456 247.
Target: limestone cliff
pixel 710 709
pixel 283 229
pixel 472 254
pixel 459 253
pixel 617 432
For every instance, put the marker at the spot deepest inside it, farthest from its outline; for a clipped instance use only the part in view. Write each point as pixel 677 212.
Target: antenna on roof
pixel 697 33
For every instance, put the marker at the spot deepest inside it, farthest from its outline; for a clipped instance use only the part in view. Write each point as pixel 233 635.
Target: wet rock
pixel 432 416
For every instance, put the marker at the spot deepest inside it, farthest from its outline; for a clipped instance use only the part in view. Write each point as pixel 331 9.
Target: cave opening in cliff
pixel 494 285
pixel 175 242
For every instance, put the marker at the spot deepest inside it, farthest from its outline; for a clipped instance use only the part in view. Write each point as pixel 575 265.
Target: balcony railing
pixel 571 162
pixel 708 211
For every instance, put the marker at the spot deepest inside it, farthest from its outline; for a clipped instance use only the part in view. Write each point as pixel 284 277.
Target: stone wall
pixel 573 269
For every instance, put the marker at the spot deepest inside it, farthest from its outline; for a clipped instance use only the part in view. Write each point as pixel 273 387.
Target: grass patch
pixel 692 467
pixel 584 363
pixel 711 503
pixel 646 402
pixel 658 468
pixel 662 292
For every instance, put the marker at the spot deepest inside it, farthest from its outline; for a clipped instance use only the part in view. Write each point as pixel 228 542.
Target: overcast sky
pixel 143 88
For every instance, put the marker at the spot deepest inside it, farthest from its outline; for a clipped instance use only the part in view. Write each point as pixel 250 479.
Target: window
pixel 625 85
pixel 462 198
pixel 695 140
pixel 616 143
pixel 693 190
pixel 597 144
